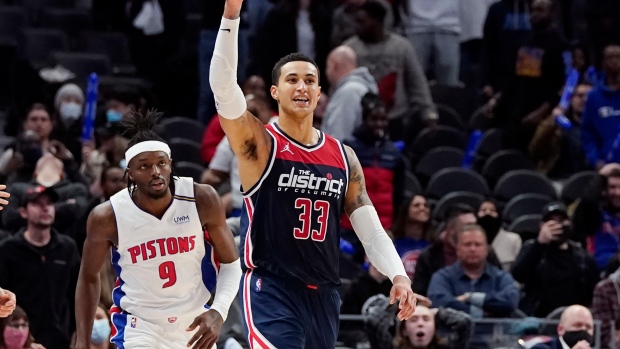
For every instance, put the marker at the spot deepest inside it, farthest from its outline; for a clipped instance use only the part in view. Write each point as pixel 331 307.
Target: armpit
pixel 250 149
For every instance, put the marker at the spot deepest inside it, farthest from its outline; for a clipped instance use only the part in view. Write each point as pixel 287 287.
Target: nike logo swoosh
pixel 137 226
pixel 226 30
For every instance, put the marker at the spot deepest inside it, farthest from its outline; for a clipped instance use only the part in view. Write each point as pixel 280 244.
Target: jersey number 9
pixel 306 231
pixel 168 272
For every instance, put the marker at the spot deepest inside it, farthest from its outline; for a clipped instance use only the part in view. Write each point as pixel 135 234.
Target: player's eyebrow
pixel 295 74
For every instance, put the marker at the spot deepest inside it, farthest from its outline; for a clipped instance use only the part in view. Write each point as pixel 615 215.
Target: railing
pixel 501 334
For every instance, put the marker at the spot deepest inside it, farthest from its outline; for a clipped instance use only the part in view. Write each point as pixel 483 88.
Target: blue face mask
pixel 114 116
pixel 101 331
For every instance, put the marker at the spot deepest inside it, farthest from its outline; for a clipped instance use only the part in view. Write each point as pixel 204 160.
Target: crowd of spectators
pixel 495 173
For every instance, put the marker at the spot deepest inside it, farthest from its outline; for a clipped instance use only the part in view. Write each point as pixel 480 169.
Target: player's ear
pixel 274 93
pixel 23 213
pixel 128 174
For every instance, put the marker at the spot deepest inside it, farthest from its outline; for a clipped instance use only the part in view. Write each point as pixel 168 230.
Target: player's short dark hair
pixel 455 211
pixel 370 101
pixel 375 10
pixel 293 57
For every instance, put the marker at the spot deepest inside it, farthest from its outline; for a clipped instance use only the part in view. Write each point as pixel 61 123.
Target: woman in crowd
pixel 411 231
pixel 15 332
pixel 100 337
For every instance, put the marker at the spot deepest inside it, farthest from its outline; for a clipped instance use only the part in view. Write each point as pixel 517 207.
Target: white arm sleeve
pixel 378 245
pixel 229 98
pixel 227 286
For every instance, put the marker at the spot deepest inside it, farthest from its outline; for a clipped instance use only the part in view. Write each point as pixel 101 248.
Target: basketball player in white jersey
pixel 154 230
pixel 7 298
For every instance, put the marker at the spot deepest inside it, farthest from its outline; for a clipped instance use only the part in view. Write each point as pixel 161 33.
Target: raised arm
pixel 213 220
pixel 101 233
pixel 377 244
pixel 246 134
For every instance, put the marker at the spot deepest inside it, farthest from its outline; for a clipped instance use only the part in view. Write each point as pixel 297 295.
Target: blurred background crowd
pixel 488 131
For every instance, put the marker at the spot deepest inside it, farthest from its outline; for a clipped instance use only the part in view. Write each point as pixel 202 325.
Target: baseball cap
pixel 554 208
pixel 34 192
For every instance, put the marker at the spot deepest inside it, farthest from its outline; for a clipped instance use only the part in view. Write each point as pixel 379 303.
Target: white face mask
pixel 70 111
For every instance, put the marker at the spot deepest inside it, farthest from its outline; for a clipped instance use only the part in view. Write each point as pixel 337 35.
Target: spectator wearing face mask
pixel 100 337
pixel 575 330
pixel 69 105
pixel 15 332
pixel 428 328
pixel 505 244
pixel 118 104
pixel 554 270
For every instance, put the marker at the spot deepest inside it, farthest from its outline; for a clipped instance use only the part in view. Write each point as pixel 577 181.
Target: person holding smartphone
pixel 554 270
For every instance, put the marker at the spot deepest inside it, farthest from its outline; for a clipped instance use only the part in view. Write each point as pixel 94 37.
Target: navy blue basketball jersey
pixel 290 224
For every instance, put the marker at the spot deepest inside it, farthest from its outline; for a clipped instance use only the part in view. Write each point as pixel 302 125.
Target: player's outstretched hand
pixel 210 323
pixel 3 196
pixel 401 292
pixel 7 302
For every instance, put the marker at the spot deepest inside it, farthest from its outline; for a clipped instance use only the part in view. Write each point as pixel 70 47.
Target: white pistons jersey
pixel 160 262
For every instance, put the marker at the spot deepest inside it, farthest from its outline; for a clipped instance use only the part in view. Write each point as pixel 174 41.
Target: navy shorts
pixel 283 313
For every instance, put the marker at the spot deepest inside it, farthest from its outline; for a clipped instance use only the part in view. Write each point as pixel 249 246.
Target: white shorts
pixel 131 332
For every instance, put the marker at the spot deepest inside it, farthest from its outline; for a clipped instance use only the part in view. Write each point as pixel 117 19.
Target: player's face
pixel 420 328
pixel 151 172
pixel 298 89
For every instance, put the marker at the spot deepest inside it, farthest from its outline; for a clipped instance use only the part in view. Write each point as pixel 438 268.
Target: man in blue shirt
pixel 471 284
pixel 601 117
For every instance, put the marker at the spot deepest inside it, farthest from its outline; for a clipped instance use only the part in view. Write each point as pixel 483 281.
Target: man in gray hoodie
pixel 350 83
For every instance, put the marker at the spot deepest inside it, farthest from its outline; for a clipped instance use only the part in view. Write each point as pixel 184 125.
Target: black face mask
pixel 491 226
pixel 567 233
pixel 573 337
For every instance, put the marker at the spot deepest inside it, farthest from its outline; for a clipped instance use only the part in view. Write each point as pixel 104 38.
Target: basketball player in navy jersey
pixel 157 232
pixel 297 182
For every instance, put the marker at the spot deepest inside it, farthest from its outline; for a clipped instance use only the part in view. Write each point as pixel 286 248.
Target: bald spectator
pixel 350 83
pixel 575 330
